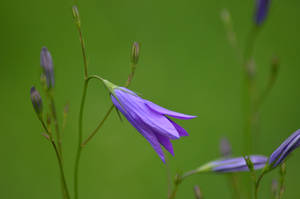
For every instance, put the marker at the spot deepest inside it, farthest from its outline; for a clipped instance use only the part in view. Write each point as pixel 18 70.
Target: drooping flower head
pixel 149 119
pixel 47 66
pixel 289 145
pixel 234 164
pixel 261 11
pixel 36 101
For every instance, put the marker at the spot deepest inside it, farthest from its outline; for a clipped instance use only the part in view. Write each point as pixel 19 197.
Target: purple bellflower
pixel 47 65
pixel 36 101
pixel 149 119
pixel 290 144
pixel 238 164
pixel 261 10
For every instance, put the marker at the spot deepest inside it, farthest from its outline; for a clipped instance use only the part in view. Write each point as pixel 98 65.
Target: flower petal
pixel 166 143
pixel 135 106
pixel 164 111
pixel 182 132
pixel 142 129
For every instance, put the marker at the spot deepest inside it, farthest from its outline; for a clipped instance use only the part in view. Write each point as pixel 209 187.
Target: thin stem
pixel 58 137
pixel 131 75
pixel 98 127
pixel 59 159
pixel 250 90
pixel 233 181
pixel 169 178
pixel 79 148
pixel 258 182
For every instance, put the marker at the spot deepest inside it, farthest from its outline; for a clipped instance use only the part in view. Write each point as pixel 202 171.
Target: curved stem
pixel 98 127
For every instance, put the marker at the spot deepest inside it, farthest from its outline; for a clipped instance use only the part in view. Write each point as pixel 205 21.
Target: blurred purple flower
pixel 290 144
pixel 238 164
pixel 225 148
pixel 47 65
pixel 36 101
pixel 261 11
pixel 149 119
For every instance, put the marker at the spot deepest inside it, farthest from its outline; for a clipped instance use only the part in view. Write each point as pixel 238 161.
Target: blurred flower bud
pixel 225 148
pixel 274 187
pixel 197 191
pixel 36 102
pixel 135 52
pixel 76 15
pixel 261 11
pixel 225 16
pixel 47 65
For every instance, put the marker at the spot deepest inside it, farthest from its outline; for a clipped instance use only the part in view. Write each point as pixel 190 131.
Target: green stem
pixel 59 159
pixel 79 148
pixel 98 127
pixel 58 137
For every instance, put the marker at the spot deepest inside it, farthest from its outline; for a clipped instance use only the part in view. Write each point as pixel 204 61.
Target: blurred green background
pixel 186 64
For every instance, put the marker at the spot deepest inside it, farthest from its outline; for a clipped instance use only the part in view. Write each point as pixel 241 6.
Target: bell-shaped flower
pixel 149 119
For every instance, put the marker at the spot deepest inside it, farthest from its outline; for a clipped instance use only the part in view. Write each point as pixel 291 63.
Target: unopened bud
pixel 135 52
pixel 225 16
pixel 225 148
pixel 197 191
pixel 76 15
pixel 36 102
pixel 47 65
pixel 274 187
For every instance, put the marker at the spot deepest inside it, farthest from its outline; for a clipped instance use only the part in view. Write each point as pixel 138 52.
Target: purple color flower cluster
pixel 150 119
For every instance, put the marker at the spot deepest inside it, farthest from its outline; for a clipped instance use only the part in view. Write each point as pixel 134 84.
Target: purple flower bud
pixel 149 119
pixel 135 53
pixel 225 148
pixel 234 164
pixel 262 7
pixel 47 65
pixel 36 101
pixel 289 145
pixel 197 191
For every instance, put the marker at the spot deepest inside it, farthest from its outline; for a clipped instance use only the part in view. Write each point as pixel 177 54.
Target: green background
pixel 186 64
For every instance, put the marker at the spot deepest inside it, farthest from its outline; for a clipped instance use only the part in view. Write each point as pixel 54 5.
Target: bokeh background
pixel 186 64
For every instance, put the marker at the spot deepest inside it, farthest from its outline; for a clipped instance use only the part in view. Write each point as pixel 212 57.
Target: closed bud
pixel 36 102
pixel 135 52
pixel 197 191
pixel 76 15
pixel 274 187
pixel 47 65
pixel 225 16
pixel 225 148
